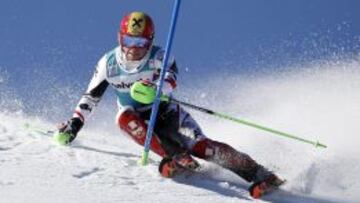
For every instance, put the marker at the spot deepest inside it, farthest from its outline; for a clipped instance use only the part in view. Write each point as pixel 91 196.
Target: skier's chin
pixel 134 57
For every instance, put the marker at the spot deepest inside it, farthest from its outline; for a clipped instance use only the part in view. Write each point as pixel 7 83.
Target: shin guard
pixel 229 158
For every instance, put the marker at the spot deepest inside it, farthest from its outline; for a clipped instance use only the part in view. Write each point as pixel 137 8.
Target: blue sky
pixel 208 32
pixel 60 41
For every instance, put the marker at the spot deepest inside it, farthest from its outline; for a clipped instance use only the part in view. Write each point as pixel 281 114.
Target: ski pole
pixel 30 128
pixel 244 122
pixel 155 106
pixel 142 92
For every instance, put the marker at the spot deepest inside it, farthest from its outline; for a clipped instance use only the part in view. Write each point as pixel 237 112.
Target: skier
pixel 177 137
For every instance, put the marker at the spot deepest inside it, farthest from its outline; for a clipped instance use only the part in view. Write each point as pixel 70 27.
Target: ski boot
pixel 170 167
pixel 268 185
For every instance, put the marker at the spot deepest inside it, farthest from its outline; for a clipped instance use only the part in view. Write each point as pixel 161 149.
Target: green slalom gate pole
pixel 142 93
pixel 155 106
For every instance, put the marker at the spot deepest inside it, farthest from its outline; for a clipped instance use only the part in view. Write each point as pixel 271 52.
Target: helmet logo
pixel 136 25
pixel 136 22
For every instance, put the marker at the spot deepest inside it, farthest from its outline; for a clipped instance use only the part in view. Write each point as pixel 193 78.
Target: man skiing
pixel 177 137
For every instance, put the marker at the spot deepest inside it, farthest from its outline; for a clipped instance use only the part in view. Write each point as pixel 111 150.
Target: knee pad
pixel 133 126
pixel 204 149
pixel 136 128
pixel 210 149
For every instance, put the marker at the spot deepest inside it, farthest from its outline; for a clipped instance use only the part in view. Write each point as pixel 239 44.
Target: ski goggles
pixel 129 41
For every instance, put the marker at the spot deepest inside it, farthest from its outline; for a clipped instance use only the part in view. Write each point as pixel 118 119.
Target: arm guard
pixel 93 94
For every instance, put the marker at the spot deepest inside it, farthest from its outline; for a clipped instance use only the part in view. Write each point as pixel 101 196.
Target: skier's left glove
pixel 68 131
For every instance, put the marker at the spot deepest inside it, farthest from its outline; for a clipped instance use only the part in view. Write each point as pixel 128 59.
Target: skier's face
pixel 135 48
pixel 134 53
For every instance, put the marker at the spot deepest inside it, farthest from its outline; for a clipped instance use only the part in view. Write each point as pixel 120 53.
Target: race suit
pixel 175 129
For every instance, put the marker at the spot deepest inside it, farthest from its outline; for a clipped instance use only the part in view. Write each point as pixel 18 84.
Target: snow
pixel 318 101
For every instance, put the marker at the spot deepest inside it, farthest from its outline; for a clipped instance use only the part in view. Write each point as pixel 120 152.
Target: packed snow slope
pixel 318 101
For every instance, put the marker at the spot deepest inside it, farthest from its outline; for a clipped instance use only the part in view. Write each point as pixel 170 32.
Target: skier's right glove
pixel 68 131
pixel 143 92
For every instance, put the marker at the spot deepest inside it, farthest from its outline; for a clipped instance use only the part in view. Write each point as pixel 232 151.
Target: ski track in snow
pixel 41 171
pixel 102 165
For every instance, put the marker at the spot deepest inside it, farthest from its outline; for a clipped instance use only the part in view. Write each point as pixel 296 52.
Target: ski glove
pixel 143 92
pixel 68 131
